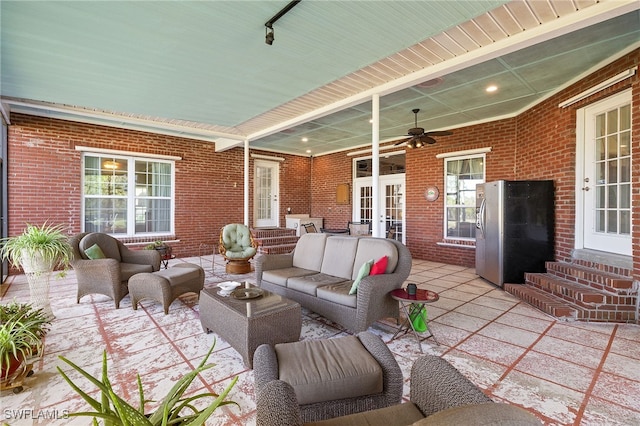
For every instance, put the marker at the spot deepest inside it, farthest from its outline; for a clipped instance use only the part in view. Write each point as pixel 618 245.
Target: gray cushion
pixel 130 269
pixel 280 276
pixel 180 275
pixel 107 243
pixel 395 415
pixel 310 283
pixel 309 251
pixel 338 293
pixel 489 414
pixel 328 369
pixel 375 248
pixel 339 254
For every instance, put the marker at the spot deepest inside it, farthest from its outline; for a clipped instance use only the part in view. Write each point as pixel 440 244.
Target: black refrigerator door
pixel 528 228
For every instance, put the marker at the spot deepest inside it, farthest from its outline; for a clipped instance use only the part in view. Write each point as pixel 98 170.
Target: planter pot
pixel 14 366
pixel 38 273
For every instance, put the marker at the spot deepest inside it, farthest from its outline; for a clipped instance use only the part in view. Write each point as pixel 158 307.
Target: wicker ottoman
pixel 166 285
pixel 246 324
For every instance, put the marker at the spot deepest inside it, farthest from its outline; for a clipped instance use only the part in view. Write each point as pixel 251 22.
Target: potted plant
pixel 173 409
pixel 38 250
pixel 163 248
pixel 20 338
pixel 35 319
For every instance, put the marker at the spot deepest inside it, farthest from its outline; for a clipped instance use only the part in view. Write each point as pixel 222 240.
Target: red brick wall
pixel 44 170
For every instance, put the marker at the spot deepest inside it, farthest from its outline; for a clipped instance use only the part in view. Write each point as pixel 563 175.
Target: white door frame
pixel 273 220
pixel 381 222
pixel 583 119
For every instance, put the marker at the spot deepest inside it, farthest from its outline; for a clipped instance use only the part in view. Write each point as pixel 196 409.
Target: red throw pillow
pixel 380 267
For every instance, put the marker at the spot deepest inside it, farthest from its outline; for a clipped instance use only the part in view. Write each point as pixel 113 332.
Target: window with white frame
pixel 129 196
pixel 462 174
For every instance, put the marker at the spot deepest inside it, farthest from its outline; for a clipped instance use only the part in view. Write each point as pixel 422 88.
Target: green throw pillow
pixel 94 252
pixel 363 272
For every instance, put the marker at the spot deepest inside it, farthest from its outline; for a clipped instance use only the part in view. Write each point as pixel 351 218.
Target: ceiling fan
pixel 418 137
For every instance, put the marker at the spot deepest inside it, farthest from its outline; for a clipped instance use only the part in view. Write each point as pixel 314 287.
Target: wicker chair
pixel 312 357
pixel 237 247
pixel 440 395
pixel 108 275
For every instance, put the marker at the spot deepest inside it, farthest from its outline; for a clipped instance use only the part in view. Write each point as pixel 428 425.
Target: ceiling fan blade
pixel 401 141
pixel 426 139
pixel 439 133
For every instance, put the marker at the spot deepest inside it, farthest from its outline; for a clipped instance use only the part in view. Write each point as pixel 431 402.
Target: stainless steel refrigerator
pixel 514 229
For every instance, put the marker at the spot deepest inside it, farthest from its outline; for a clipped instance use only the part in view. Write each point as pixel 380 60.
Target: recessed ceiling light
pixel 308 151
pixel 492 88
pixel 305 139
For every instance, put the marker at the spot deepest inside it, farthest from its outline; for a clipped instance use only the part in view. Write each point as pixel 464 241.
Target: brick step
pixel 615 270
pixel 597 279
pixel 570 291
pixel 278 249
pixel 276 241
pixel 544 301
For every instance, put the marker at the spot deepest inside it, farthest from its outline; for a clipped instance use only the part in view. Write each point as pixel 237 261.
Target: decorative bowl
pixel 228 286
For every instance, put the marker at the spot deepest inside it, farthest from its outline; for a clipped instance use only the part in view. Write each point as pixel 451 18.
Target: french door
pixel 265 196
pixel 605 185
pixel 391 222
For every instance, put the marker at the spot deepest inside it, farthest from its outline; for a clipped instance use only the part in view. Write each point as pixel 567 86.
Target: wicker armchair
pixel 440 395
pixel 237 247
pixel 108 275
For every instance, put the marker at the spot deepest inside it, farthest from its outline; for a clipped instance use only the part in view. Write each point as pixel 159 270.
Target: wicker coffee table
pixel 246 324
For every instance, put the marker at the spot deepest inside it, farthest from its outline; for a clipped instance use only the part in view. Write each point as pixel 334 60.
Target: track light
pixel 269 37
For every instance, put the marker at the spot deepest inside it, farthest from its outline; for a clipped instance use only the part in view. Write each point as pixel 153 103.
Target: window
pixel 462 174
pixel 128 195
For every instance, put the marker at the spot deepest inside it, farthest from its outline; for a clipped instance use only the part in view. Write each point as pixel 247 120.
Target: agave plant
pixel 174 409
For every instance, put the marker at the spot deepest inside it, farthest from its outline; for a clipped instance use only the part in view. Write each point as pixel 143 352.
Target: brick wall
pixel 44 170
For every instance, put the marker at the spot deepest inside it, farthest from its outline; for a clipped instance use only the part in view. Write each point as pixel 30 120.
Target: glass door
pixel 391 222
pixel 265 197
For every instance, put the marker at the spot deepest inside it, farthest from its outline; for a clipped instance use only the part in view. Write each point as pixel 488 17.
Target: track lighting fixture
pixel 269 37
pixel 268 26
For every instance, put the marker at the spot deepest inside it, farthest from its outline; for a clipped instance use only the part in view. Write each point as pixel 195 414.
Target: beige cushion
pixel 339 254
pixel 127 270
pixel 338 293
pixel 309 251
pixel 395 415
pixel 107 243
pixel 310 283
pixel 487 414
pixel 328 369
pixel 280 276
pixel 375 248
pixel 180 275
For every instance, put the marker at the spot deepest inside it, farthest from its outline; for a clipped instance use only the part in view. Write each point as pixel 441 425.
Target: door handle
pixel 586 188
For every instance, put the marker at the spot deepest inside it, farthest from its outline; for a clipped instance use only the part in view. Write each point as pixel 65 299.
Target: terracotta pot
pixel 14 366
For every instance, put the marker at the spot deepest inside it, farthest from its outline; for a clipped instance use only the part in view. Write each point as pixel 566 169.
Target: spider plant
pixel 19 340
pixel 174 408
pixel 45 244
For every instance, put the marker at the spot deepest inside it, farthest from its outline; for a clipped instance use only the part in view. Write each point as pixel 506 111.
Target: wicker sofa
pixel 320 271
pixel 440 396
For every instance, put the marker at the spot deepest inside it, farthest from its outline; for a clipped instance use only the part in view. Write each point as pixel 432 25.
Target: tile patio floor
pixel 565 373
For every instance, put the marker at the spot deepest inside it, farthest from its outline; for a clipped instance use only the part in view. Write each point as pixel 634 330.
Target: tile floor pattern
pixel 565 373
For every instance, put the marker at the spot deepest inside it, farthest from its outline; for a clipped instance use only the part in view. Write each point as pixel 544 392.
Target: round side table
pixel 412 305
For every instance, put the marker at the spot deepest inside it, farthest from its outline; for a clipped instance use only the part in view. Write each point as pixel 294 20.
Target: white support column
pixel 377 215
pixel 246 182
